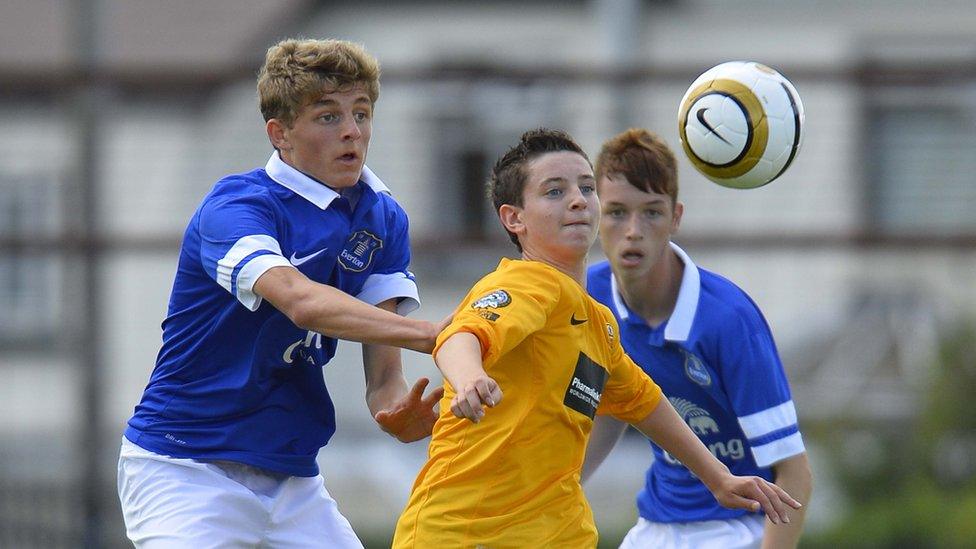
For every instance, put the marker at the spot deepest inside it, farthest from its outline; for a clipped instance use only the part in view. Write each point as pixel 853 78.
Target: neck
pixel 575 269
pixel 287 159
pixel 654 294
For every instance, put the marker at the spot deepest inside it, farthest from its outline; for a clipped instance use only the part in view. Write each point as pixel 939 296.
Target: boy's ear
pixel 679 210
pixel 278 134
pixel 511 217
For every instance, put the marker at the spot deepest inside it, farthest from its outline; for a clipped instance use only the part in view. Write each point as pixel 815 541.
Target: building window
pixel 921 161
pixel 29 287
pixel 473 125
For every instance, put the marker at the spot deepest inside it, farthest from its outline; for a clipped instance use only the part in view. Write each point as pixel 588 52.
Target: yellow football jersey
pixel 513 480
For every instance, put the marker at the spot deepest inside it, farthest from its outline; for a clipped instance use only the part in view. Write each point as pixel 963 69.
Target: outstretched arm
pixel 334 313
pixel 793 475
pixel 607 430
pixel 407 415
pixel 666 428
pixel 459 359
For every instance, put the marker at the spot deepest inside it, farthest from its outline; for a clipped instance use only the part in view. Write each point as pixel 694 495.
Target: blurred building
pixel 118 116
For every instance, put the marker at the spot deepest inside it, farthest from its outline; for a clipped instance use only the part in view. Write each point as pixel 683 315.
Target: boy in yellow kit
pixel 510 478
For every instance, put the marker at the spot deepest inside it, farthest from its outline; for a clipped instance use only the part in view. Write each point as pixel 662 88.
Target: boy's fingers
pixel 496 395
pixel 778 506
pixel 489 392
pixel 763 498
pixel 473 400
pixel 433 397
pixel 484 390
pixel 786 497
pixel 463 411
pixel 461 408
pixel 749 495
pixel 741 502
pixel 419 386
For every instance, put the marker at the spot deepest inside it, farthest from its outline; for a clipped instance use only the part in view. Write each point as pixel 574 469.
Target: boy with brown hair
pixel 705 342
pixel 509 477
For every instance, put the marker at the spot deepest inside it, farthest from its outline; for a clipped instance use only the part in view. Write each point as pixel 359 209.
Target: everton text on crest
pixel 359 250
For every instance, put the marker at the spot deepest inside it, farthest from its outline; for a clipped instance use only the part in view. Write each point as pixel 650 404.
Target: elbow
pixel 797 473
pixel 805 472
pixel 805 492
pixel 291 293
pixel 807 478
pixel 301 315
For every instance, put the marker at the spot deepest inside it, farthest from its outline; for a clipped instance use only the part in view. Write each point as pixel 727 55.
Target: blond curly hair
pixel 297 72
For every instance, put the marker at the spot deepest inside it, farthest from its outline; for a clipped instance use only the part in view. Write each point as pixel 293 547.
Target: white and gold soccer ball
pixel 741 124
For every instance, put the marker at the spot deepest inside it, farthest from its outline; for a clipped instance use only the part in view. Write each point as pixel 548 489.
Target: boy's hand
pixel 444 323
pixel 412 417
pixel 470 400
pixel 434 329
pixel 754 494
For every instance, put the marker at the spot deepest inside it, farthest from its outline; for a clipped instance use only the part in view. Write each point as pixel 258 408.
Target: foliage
pixel 922 492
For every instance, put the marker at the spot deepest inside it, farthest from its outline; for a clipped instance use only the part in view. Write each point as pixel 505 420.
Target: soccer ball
pixel 741 124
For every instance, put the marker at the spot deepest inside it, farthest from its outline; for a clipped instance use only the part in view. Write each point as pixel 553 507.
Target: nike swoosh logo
pixel 296 261
pixel 701 118
pixel 575 321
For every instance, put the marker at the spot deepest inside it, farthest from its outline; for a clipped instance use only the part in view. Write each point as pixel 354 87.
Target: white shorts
pixel 172 503
pixel 739 533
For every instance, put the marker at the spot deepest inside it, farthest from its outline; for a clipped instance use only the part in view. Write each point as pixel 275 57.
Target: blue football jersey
pixel 716 361
pixel 235 379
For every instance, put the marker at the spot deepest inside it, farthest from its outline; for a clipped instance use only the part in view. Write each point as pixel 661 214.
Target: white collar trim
pixel 618 302
pixel 679 325
pixel 310 189
pixel 680 322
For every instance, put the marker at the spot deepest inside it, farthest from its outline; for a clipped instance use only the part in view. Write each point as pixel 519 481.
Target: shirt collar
pixel 310 189
pixel 680 322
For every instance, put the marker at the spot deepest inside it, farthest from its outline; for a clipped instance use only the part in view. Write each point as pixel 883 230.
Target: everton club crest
pixel 696 370
pixel 359 251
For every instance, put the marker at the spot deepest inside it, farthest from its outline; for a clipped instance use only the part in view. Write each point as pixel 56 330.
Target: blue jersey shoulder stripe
pixel 243 248
pixel 774 435
pixel 769 420
pixel 768 454
pixel 243 263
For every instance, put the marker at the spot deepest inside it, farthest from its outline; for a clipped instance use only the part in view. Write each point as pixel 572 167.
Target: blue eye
pixel 554 192
pixel 616 212
pixel 588 189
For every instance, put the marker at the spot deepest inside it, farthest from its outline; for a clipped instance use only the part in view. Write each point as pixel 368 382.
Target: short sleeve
pixel 239 243
pixel 503 309
pixel 391 278
pixel 630 394
pixel 756 383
